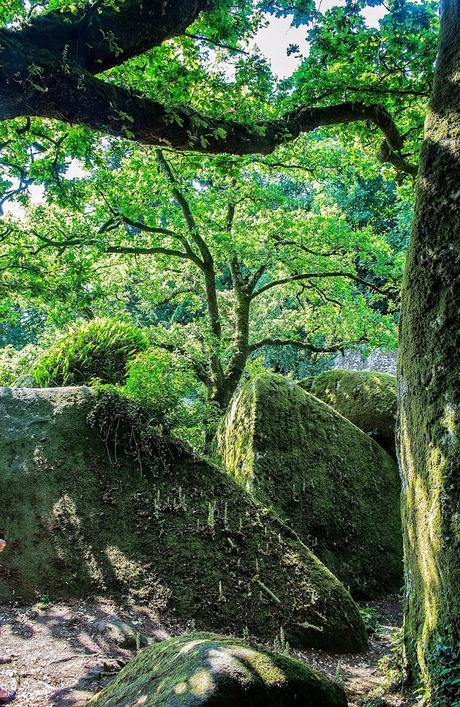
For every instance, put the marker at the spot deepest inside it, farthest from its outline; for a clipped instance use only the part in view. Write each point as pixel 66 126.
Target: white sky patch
pixel 274 39
pixel 36 195
pixel 76 170
pixel 36 192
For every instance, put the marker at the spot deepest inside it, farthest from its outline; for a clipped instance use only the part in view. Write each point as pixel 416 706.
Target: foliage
pixel 16 365
pixel 239 242
pixel 444 663
pixel 393 664
pixel 128 428
pixel 97 350
pixel 372 619
pixel 163 383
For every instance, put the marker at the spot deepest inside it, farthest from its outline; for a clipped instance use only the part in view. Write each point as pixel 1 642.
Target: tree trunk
pixel 429 388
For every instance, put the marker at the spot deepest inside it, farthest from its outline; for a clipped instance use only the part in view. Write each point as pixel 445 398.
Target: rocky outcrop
pixel 82 518
pixel 326 479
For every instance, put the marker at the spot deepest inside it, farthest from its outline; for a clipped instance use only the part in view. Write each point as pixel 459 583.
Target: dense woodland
pixel 197 240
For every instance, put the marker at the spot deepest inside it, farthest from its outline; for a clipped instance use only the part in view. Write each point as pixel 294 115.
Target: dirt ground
pixel 58 656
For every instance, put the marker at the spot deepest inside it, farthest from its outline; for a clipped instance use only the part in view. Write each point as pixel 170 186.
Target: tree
pixel 241 257
pixel 429 387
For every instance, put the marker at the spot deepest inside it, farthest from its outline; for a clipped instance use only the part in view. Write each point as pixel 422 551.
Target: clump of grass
pixel 372 619
pixel 44 602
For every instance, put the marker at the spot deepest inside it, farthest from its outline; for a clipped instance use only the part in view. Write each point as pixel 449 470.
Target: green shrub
pixel 98 350
pixel 372 619
pixel 166 385
pixel 445 670
pixel 16 365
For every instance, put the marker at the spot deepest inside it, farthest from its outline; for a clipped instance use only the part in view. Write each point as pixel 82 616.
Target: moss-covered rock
pixel 366 398
pixel 203 669
pixel 171 529
pixel 330 482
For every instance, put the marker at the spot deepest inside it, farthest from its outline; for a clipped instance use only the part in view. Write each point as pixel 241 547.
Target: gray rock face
pixel 199 670
pixel 378 360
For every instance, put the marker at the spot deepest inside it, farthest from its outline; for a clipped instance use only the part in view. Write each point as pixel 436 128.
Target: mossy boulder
pixel 82 517
pixel 366 398
pixel 216 671
pixel 330 482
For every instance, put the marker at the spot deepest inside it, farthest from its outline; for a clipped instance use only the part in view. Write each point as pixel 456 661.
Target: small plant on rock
pixel 95 351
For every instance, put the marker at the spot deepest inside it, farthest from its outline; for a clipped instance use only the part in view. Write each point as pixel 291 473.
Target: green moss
pixel 83 516
pixel 329 481
pixel 206 669
pixel 366 398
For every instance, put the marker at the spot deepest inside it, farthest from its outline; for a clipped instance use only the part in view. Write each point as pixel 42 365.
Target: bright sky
pixel 273 41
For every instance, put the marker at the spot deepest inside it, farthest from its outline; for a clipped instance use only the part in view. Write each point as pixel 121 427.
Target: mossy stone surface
pixel 204 669
pixel 429 390
pixel 366 398
pixel 329 481
pixel 177 531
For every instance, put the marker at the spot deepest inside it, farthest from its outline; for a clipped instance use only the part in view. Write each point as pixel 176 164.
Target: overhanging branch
pixel 47 70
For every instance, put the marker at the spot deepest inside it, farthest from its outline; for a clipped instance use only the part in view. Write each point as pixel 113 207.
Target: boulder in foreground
pixel 83 517
pixel 205 670
pixel 326 479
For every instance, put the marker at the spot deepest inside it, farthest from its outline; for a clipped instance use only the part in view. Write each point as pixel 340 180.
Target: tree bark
pixel 429 387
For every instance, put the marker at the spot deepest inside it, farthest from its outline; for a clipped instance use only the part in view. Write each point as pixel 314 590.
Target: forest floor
pixel 60 655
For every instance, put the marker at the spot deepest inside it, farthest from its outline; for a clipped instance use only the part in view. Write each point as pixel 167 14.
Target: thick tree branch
pixel 98 38
pixel 166 231
pixel 61 246
pixel 140 250
pixel 208 262
pixel 309 251
pixel 41 85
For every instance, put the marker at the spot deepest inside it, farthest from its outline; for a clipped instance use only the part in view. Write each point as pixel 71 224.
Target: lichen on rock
pixel 366 398
pixel 82 517
pixel 326 479
pixel 204 669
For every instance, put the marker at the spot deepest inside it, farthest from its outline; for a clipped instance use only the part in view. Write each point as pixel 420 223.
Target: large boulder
pixel 81 517
pixel 330 482
pixel 199 670
pixel 366 398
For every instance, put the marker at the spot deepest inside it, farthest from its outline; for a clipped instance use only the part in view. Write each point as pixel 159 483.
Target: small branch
pixel 309 251
pixel 297 344
pixel 221 45
pixel 318 275
pixel 139 250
